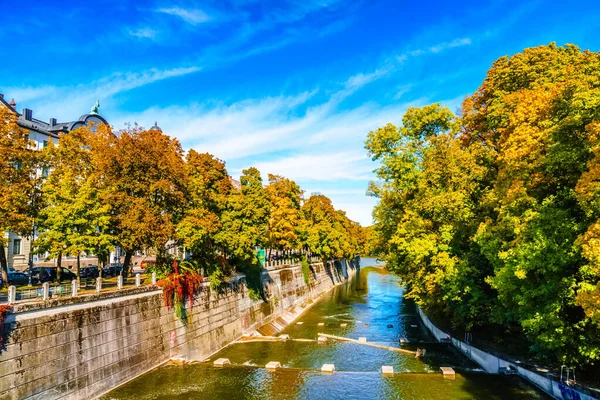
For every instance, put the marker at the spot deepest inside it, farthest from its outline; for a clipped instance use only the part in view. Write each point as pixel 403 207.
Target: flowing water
pixel 371 306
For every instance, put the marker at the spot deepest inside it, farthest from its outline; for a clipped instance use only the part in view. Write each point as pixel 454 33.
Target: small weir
pixel 362 340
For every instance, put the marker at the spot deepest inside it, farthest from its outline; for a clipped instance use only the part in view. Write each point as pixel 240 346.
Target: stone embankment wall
pixel 492 364
pixel 80 351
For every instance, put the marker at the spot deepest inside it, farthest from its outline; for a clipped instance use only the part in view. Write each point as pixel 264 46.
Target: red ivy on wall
pixel 4 309
pixel 179 286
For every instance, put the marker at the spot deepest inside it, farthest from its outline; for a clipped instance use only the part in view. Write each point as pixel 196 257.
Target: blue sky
pixel 291 87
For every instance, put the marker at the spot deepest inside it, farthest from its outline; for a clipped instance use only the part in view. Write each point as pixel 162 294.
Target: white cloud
pixel 450 45
pixel 329 166
pixel 357 208
pixel 191 16
pixel 143 33
pixel 65 102
pixel 438 48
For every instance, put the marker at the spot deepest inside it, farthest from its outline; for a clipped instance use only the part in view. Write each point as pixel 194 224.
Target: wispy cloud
pixel 438 48
pixel 143 33
pixel 347 165
pixel 66 101
pixel 191 16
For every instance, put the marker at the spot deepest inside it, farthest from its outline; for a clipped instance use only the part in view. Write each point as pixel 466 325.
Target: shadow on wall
pixel 337 269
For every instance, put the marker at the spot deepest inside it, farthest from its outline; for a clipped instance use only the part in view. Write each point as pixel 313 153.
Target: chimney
pixel 13 104
pixel 52 121
pixel 1 96
pixel 27 114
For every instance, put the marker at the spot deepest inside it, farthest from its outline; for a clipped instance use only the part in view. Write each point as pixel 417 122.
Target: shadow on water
pixel 371 306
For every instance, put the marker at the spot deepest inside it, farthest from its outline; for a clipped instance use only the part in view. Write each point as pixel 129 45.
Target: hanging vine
pixel 178 286
pixel 4 310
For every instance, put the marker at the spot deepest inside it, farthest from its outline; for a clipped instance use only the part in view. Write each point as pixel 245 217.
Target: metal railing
pixel 47 291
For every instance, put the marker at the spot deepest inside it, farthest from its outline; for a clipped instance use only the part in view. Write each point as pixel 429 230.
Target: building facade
pixel 41 133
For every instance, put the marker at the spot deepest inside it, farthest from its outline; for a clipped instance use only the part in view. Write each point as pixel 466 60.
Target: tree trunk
pixel 58 266
pixel 78 268
pixel 4 266
pixel 127 263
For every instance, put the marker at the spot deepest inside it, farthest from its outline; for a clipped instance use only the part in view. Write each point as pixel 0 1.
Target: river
pixel 371 306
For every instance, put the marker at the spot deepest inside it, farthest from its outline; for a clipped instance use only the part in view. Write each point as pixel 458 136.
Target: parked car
pixel 17 278
pixel 90 271
pixel 49 274
pixel 113 269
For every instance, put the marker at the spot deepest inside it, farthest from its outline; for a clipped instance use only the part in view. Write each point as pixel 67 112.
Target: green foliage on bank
pixel 492 216
pixel 305 270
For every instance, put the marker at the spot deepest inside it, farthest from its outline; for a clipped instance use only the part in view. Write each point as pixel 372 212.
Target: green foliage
pixel 305 271
pixel 216 279
pixel 285 214
pixel 492 217
pixel 208 188
pixel 328 233
pixel 245 219
pixel 74 220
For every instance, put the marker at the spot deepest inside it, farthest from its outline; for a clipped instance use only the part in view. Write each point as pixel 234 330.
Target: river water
pixel 371 306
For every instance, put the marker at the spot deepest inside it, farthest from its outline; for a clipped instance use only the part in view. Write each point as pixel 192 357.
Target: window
pixel 45 172
pixel 17 246
pixel 45 143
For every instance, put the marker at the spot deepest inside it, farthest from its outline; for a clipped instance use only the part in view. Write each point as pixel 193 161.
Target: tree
pixel 285 215
pixel 426 211
pixel 74 220
pixel 491 217
pixel 245 224
pixel 208 188
pixel 322 237
pixel 20 175
pixel 143 183
pixel 245 221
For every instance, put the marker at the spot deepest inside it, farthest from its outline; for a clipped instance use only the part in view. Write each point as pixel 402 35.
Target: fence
pixel 91 285
pixel 49 290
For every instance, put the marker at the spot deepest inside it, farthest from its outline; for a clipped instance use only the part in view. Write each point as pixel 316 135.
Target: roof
pixel 156 127
pixel 50 128
pixel 237 185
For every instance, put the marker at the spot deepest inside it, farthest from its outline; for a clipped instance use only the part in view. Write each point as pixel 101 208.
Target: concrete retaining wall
pixel 79 351
pixel 492 364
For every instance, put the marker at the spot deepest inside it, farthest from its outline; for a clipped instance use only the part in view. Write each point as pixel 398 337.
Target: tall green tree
pixel 74 220
pixel 208 188
pixel 245 221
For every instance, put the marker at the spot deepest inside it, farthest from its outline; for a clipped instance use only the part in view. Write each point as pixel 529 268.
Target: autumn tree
pixel 143 182
pixel 285 214
pixel 20 174
pixel 427 213
pixel 538 110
